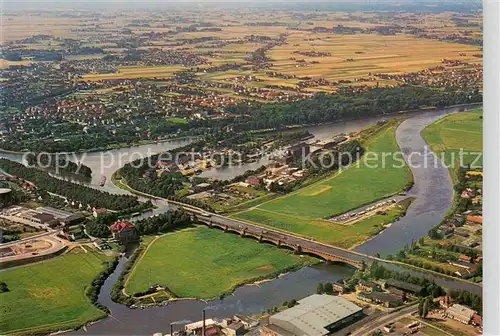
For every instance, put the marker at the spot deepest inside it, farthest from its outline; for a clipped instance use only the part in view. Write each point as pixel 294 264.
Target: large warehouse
pixel 315 315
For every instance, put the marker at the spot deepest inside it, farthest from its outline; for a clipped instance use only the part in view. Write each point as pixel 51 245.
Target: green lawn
pixel 205 263
pixel 50 295
pixel 357 185
pixel 177 121
pixel 346 236
pixel 304 212
pixel 458 131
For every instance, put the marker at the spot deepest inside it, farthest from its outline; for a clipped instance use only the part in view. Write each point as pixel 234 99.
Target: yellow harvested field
pixel 317 192
pixel 4 64
pixel 369 54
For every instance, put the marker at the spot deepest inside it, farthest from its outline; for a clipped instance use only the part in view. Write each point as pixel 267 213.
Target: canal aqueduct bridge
pixel 299 244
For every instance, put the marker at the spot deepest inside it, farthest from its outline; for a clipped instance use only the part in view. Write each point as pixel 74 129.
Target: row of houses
pixel 395 294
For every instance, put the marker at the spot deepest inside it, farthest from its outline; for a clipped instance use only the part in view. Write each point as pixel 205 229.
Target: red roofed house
pixel 475 219
pixel 253 181
pixel 477 320
pixel 124 232
pixel 465 258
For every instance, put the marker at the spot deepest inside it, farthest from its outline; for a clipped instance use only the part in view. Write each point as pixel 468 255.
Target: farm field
pixel 50 295
pixel 182 260
pixel 345 236
pixel 458 131
pixel 361 183
pixel 369 54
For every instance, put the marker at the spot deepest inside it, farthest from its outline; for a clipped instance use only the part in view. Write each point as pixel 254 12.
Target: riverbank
pixel 455 237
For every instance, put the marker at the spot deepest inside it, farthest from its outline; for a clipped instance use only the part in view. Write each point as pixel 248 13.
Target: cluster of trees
pixel 95 286
pixel 58 162
pixel 72 191
pixel 50 200
pixel 326 108
pixel 171 220
pixel 3 287
pixel 165 222
pixel 141 174
pixel 288 304
pixel 423 307
pixel 326 288
pixel 13 197
pixel 192 202
pixel 468 299
pixel 97 228
pixel 429 288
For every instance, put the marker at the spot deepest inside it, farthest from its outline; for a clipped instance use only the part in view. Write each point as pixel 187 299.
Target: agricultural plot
pixel 184 261
pixel 53 292
pixel 461 131
pixel 368 53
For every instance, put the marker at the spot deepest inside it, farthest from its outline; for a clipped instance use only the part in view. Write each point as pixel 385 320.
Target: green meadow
pixel 50 295
pixel 456 132
pixel 205 263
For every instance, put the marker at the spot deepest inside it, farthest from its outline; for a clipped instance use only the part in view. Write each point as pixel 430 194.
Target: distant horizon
pixel 7 4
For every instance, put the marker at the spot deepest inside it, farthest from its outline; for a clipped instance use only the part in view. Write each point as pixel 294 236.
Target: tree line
pixel 165 222
pixel 58 162
pixel 323 107
pixel 72 191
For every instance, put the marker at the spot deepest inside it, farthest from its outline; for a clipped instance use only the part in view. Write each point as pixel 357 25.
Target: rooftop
pixel 404 285
pixel 57 213
pixel 461 311
pixel 5 190
pixel 314 313
pixel 120 226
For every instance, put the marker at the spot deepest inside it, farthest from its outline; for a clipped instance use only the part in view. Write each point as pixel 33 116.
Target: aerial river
pixel 433 191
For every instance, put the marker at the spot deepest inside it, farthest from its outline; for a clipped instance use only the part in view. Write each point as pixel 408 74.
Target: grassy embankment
pixel 449 135
pixel 206 263
pixel 50 296
pixel 304 212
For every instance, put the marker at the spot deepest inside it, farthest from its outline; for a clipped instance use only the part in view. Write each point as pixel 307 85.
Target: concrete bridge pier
pixel 298 249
